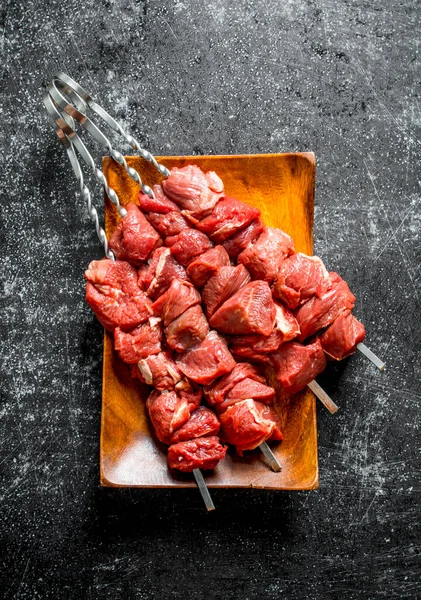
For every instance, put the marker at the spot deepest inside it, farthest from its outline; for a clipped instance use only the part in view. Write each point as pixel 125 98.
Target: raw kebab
pixel 271 297
pixel 293 314
pixel 174 408
pixel 123 307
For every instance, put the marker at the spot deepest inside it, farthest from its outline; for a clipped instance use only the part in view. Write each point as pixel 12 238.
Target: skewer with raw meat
pixel 203 355
pixel 264 258
pixel 267 253
pixel 322 302
pixel 235 234
pixel 123 308
pixel 131 302
pixel 234 305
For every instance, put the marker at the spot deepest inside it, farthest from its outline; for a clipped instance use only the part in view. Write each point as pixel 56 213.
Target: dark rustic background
pixel 340 78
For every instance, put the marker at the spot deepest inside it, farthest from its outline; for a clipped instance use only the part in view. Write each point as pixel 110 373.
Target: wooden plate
pixel 282 187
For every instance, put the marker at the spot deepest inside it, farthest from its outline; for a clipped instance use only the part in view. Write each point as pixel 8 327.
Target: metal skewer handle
pixel 83 95
pixel 66 122
pixel 64 126
pixel 63 88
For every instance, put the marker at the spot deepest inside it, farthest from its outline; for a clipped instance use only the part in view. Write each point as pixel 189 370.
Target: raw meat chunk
pixel 160 371
pixel 215 392
pixel 250 346
pixel 285 329
pixel 200 453
pixel 155 278
pixel 341 338
pixel 134 238
pixel 191 392
pixel 268 412
pixel 118 275
pixel 263 257
pixel 296 365
pixel 160 204
pixel 168 224
pixel 228 216
pixel 244 426
pixel 167 412
pixel 250 310
pixel 299 278
pixel 286 323
pixel 222 286
pixel 202 422
pixel 249 388
pixel 240 240
pixel 114 295
pixel 206 361
pixel 207 264
pixel 140 342
pixel 180 296
pixel 192 190
pixel 318 313
pixel 214 182
pixel 188 329
pixel 188 245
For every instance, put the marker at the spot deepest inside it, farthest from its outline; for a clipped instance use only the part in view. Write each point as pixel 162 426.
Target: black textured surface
pixel 338 78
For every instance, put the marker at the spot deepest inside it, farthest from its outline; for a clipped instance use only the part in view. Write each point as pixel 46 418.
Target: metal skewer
pixel 64 127
pixel 201 484
pixel 270 457
pixel 322 396
pixel 83 99
pixel 67 123
pixel 325 398
pixel 64 137
pixel 371 356
pixel 63 88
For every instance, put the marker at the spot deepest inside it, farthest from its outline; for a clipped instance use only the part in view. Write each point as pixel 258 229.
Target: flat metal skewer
pixel 322 396
pixel 371 356
pixel 203 490
pixel 103 238
pixel 64 127
pixel 270 457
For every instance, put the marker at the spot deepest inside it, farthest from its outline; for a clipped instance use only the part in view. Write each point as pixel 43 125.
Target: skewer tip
pixel 270 457
pixel 323 397
pixel 203 490
pixel 371 356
